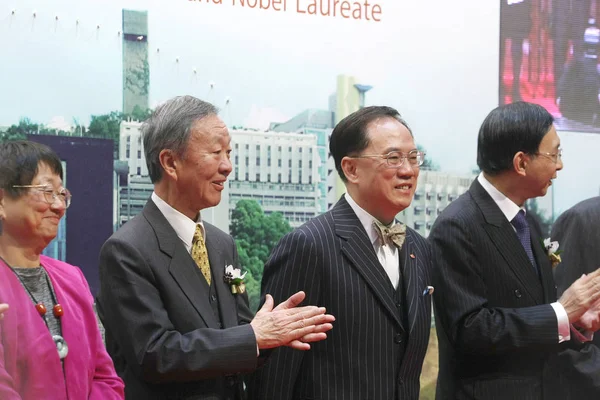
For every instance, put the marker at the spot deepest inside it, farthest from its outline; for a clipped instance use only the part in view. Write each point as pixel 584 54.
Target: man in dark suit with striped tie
pixel 500 326
pixel 177 326
pixel 577 233
pixel 371 272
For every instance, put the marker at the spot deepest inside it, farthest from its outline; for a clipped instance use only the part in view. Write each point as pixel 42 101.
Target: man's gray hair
pixel 169 127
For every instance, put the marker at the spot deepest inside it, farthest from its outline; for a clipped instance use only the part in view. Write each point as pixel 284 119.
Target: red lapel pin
pixel 412 255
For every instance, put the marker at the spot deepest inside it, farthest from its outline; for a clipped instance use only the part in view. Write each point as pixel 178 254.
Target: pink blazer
pixel 29 365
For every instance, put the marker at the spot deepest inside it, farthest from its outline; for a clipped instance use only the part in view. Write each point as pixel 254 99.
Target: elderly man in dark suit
pixel 577 233
pixel 499 323
pixel 369 271
pixel 177 321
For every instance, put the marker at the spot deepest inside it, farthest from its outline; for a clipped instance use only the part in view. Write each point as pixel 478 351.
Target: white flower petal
pixel 547 243
pixel 234 272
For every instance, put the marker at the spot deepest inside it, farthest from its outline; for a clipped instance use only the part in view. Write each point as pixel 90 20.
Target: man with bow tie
pixel 366 268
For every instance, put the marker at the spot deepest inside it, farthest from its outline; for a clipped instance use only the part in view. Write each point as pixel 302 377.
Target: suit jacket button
pixel 398 338
pixel 398 304
pixel 518 293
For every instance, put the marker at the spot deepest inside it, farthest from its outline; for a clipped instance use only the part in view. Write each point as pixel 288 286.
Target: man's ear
pixel 350 169
pixel 520 162
pixel 169 162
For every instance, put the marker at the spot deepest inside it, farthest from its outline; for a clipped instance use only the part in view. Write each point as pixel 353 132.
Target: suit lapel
pixel 504 238
pixel 182 267
pixel 413 279
pixel 73 337
pixel 359 251
pixel 218 262
pixel 542 261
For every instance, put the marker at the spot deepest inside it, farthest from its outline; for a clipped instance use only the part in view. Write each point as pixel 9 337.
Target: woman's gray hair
pixel 169 128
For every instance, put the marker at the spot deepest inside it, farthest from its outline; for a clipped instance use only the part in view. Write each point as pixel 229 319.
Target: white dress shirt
pixel 183 226
pixel 387 254
pixel 510 210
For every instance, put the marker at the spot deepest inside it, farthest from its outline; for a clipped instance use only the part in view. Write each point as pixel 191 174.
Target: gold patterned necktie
pixel 395 234
pixel 199 253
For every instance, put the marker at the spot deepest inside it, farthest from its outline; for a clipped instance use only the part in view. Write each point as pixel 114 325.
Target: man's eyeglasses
pixel 50 195
pixel 395 159
pixel 552 156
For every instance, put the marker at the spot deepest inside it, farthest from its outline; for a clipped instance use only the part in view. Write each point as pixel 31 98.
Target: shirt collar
pixel 506 205
pixel 183 226
pixel 364 217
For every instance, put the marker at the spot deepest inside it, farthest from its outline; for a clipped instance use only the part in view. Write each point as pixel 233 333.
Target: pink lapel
pixel 67 287
pixel 29 350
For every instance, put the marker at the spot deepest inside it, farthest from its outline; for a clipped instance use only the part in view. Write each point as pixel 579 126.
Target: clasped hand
pixel 289 325
pixel 581 301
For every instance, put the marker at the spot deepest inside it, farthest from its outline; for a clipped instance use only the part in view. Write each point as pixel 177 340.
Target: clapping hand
pixel 290 325
pixel 582 296
pixel 590 320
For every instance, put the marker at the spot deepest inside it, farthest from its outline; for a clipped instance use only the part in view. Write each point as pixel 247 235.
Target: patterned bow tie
pixel 394 234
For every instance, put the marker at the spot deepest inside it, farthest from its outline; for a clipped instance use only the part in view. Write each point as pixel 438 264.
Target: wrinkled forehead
pixel 210 129
pixel 388 132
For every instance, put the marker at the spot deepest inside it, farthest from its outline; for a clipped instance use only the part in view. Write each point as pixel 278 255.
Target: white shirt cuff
pixel 564 328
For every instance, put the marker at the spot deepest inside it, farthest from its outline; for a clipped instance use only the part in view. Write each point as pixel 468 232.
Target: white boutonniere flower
pixel 552 251
pixel 235 278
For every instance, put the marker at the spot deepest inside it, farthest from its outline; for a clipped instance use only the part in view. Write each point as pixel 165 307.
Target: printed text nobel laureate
pixel 327 8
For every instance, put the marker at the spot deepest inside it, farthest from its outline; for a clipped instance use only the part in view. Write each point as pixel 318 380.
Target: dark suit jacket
pixel 161 330
pixel 375 351
pixel 577 231
pixel 498 334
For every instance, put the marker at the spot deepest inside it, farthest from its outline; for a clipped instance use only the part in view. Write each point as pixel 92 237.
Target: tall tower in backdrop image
pixel 136 70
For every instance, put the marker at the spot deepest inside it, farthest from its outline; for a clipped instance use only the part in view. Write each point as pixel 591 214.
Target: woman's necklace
pixel 61 345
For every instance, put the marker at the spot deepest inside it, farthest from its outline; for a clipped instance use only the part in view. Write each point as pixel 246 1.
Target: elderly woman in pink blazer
pixel 50 345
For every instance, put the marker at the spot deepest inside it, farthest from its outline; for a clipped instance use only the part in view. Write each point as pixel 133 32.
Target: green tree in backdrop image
pixel 255 235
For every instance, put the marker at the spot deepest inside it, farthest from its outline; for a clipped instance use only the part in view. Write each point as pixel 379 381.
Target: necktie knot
pixel 395 234
pixel 520 221
pixel 197 235
pixel 199 253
